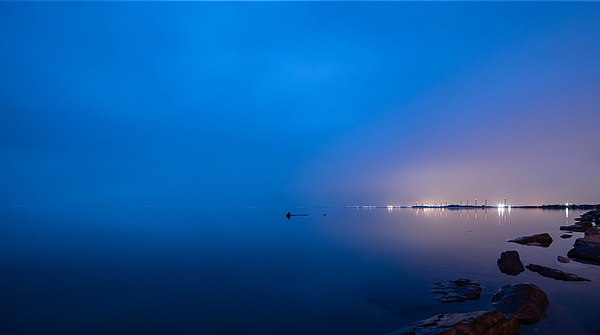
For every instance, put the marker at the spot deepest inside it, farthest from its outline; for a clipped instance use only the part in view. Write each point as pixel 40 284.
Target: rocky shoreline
pixel 513 304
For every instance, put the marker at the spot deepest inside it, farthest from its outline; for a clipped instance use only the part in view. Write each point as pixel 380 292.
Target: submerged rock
pixel 541 240
pixel 554 273
pixel 526 302
pixel 566 236
pixel 510 263
pixel 563 259
pixel 587 249
pixel 473 323
pixel 457 290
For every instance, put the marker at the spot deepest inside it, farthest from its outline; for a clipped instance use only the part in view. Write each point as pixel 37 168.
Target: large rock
pixel 457 290
pixel 510 263
pixel 554 273
pixel 473 323
pixel 526 302
pixel 587 249
pixel 541 240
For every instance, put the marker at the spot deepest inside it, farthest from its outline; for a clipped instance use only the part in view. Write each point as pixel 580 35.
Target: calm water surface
pixel 73 270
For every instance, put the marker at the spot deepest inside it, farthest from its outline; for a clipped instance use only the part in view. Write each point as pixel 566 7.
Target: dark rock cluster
pixel 591 216
pixel 584 222
pixel 578 227
pixel 587 249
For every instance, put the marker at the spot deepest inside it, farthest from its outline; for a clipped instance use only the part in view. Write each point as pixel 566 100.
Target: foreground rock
pixel 541 240
pixel 526 302
pixel 578 227
pixel 563 259
pixel 457 290
pixel 566 236
pixel 473 323
pixel 554 273
pixel 510 263
pixel 587 249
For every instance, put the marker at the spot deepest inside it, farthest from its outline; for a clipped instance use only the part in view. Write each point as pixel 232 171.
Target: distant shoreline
pixel 452 207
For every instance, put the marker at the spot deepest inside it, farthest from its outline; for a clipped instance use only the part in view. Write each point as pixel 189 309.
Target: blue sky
pixel 298 103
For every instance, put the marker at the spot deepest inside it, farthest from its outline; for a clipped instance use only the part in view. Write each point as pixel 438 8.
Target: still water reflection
pixel 178 270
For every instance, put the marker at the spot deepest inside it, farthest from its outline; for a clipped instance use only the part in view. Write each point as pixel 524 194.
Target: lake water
pixel 173 270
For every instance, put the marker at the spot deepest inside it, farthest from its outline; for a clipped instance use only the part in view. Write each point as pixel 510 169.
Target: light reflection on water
pixel 190 270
